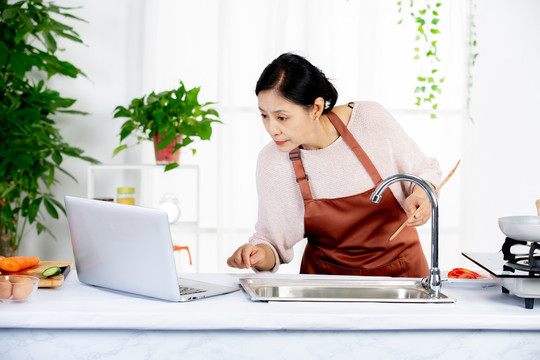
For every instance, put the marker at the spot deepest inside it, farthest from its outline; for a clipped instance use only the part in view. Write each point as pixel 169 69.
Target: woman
pixel 315 178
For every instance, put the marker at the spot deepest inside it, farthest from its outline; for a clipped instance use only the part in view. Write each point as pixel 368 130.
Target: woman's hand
pixel 259 256
pixel 417 200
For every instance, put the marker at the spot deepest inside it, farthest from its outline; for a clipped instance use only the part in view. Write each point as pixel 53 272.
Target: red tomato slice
pixel 462 273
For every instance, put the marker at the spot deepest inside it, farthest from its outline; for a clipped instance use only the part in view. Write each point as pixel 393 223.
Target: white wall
pixel 502 173
pixel 499 171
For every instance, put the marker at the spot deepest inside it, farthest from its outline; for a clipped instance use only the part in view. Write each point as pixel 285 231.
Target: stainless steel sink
pixel 357 290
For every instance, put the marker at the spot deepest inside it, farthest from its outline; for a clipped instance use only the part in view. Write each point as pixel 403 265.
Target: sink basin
pixel 322 290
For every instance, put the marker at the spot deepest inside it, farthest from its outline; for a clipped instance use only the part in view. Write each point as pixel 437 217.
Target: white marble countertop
pixel 78 306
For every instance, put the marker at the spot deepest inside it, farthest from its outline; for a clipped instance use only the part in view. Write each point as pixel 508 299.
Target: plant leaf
pixel 50 178
pixel 57 157
pixel 50 208
pixel 166 141
pixel 170 167
pixel 119 148
pixel 33 209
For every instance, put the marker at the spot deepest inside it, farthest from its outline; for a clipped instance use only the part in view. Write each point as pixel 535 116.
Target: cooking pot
pixel 525 228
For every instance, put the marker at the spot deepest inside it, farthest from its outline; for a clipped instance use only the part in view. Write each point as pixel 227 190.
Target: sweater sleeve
pixel 280 222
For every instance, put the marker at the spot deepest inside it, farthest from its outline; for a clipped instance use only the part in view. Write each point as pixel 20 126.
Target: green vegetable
pixel 53 270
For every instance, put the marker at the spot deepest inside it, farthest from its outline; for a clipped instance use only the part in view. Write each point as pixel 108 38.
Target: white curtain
pixel 224 45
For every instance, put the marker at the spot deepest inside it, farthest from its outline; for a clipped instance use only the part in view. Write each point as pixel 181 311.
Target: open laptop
pixel 129 248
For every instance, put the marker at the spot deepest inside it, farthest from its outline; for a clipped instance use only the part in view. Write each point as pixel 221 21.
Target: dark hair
pixel 297 80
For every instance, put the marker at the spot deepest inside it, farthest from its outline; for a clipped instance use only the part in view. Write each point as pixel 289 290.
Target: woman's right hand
pixel 259 256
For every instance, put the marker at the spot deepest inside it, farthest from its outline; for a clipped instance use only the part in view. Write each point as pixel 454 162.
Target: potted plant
pixel 171 119
pixel 32 149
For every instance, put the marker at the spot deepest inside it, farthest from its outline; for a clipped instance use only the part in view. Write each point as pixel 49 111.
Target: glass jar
pixel 125 195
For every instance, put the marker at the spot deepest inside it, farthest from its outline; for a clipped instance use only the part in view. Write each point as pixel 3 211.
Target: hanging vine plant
pixel 429 81
pixel 473 54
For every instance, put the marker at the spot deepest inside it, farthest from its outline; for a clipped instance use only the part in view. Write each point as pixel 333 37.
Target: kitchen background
pixel 134 47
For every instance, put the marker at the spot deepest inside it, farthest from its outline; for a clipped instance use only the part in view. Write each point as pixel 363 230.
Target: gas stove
pixel 516 268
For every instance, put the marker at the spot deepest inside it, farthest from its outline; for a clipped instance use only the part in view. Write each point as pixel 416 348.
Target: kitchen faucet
pixel 433 281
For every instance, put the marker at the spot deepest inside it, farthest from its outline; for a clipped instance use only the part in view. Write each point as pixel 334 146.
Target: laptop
pixel 129 248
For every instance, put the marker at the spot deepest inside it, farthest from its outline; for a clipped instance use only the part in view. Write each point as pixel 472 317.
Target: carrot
pixel 18 263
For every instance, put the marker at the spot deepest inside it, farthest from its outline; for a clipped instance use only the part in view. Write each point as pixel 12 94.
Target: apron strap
pixel 355 147
pixel 301 176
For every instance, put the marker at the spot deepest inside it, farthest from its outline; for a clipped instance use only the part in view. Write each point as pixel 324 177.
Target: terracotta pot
pixel 166 156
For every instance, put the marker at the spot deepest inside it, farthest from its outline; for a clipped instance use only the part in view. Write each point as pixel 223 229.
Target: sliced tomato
pixel 462 273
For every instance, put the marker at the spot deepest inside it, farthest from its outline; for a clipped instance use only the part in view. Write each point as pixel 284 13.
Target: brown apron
pixel 350 235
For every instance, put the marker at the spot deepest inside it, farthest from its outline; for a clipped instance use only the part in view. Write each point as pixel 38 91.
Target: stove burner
pixel 523 265
pixel 508 244
pixel 525 262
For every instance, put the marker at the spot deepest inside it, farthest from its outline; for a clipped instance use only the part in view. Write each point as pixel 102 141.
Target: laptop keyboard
pixel 185 290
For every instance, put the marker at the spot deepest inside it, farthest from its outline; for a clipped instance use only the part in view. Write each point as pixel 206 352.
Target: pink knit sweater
pixel 334 172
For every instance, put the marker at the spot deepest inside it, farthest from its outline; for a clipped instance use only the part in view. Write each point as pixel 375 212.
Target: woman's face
pixel 288 124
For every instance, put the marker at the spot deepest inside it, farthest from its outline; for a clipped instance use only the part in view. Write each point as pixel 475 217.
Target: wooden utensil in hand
pixel 437 192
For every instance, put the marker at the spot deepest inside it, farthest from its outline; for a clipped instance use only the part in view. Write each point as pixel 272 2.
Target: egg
pixel 5 289
pixel 22 288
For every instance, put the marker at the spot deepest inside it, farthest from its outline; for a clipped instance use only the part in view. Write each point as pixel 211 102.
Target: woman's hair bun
pixel 297 80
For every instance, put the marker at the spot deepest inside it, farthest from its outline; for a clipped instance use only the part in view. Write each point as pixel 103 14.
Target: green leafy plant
pixel 425 14
pixel 32 149
pixel 169 114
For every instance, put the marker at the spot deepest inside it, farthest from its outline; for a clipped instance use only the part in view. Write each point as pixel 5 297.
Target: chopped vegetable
pixel 462 273
pixel 53 270
pixel 18 263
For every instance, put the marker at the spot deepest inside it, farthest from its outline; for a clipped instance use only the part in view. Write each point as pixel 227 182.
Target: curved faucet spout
pixel 433 282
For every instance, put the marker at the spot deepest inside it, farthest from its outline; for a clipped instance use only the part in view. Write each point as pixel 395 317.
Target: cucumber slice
pixel 53 270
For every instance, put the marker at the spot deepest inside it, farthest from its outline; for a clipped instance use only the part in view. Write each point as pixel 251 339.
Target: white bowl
pixel 525 228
